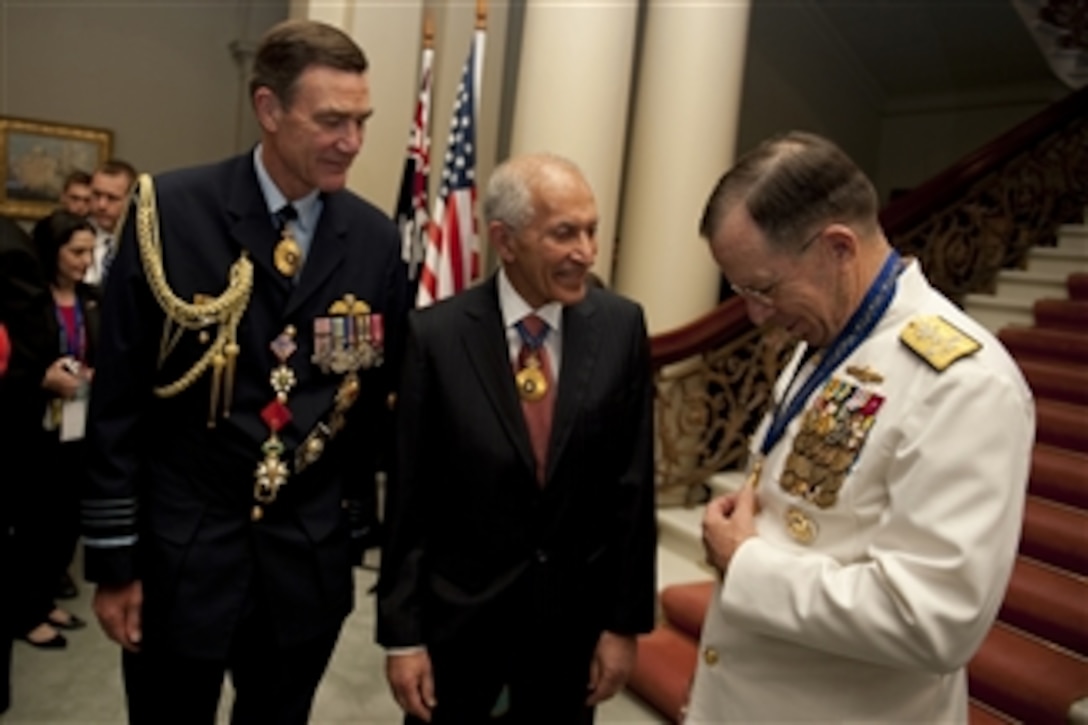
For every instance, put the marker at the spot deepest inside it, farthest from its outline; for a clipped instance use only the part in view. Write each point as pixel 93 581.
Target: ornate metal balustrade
pixel 985 213
pixel 706 408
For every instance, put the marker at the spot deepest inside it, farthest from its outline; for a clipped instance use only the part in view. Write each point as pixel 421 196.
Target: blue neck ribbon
pixel 861 323
pixel 528 339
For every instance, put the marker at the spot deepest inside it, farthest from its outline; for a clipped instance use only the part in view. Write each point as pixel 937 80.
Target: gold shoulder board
pixel 938 341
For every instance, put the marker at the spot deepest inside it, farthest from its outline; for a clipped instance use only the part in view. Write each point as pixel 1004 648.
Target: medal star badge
pixel 287 256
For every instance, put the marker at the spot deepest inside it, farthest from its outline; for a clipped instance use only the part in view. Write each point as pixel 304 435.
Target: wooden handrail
pixel 727 321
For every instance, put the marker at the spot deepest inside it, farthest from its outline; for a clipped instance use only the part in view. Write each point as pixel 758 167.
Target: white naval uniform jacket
pixel 875 618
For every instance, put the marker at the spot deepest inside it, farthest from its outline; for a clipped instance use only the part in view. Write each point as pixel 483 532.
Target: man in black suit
pixel 250 337
pixel 519 564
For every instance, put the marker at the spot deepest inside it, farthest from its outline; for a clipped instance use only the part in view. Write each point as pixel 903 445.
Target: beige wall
pixel 159 74
pixel 798 77
pixel 920 137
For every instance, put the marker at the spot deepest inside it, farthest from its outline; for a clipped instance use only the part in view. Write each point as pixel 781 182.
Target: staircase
pixel 1033 666
pixel 1044 280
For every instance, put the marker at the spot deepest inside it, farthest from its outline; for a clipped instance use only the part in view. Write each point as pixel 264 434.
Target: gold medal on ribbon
pixel 287 257
pixel 532 385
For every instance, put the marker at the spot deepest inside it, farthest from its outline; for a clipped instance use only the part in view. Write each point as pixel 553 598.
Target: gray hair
pixel 791 183
pixel 509 195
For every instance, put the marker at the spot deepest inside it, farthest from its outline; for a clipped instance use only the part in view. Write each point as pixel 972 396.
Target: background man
pixel 110 188
pixel 76 198
pixel 77 194
pixel 221 509
pixel 867 567
pixel 520 560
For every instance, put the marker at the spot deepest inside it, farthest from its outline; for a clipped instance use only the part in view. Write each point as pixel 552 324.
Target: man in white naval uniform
pixel 867 555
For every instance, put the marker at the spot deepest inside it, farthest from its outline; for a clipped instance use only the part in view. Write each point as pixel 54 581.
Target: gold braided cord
pixel 224 311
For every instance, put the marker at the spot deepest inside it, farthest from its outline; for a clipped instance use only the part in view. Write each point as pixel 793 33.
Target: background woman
pixel 46 518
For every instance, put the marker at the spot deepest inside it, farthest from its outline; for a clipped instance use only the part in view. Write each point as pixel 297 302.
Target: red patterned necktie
pixel 538 413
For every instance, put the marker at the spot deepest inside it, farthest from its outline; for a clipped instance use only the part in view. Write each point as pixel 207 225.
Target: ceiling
pixel 930 47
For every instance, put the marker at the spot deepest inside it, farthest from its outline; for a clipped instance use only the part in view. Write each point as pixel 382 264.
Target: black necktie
pixel 286 213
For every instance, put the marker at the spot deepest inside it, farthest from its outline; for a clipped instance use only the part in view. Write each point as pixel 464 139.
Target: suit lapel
pixel 250 222
pixel 581 342
pixel 486 347
pixel 327 249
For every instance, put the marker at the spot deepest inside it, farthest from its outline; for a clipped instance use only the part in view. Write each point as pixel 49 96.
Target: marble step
pixel 1057 260
pixel 680 539
pixel 994 313
pixel 1073 237
pixel 1016 284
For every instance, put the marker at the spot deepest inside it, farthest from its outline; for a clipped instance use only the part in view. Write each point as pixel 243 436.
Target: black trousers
pixel 46 524
pixel 537 687
pixel 273 685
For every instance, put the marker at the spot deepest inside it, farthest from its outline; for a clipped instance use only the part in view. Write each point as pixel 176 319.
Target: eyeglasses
pixel 765 295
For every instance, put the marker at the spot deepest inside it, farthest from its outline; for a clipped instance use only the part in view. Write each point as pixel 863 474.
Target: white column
pixel 574 77
pixel 391 35
pixel 684 133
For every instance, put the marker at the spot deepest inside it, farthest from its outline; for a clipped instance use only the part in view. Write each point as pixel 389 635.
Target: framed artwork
pixel 37 157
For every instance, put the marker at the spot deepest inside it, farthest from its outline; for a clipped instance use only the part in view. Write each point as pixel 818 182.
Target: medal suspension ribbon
pixel 531 341
pixel 76 348
pixel 861 323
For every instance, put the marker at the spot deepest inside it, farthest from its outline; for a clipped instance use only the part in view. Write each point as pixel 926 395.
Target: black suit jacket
pixel 478 555
pixel 169 498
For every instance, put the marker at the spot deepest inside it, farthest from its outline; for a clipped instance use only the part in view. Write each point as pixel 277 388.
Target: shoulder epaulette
pixel 938 341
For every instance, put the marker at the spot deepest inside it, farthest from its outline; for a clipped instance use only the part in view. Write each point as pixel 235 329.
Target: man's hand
pixel 729 521
pixel 612 663
pixel 118 609
pixel 412 682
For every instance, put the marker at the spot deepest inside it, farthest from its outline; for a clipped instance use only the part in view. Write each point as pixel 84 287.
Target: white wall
pixel 158 73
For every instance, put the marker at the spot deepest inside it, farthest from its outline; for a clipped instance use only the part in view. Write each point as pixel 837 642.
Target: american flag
pixel 453 259
pixel 412 218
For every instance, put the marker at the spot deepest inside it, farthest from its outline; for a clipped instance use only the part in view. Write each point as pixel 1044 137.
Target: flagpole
pixel 428 30
pixel 412 214
pixel 478 39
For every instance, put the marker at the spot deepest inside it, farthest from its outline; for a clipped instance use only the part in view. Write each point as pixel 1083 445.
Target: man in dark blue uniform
pixel 250 337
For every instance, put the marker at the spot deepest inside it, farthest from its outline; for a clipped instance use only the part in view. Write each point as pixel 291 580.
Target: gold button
pixel 257 514
pixel 800 526
pixel 710 656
